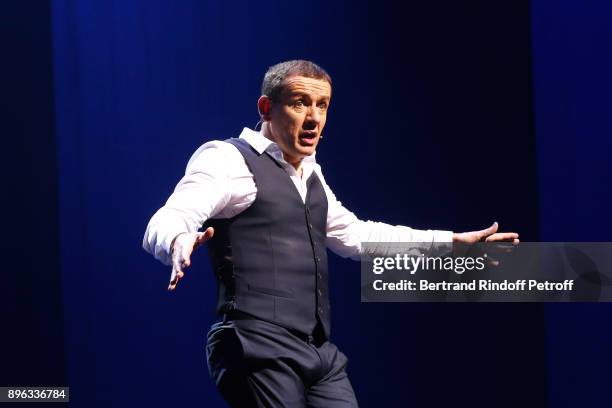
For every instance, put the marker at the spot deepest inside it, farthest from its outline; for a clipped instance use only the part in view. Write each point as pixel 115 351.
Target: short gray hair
pixel 274 79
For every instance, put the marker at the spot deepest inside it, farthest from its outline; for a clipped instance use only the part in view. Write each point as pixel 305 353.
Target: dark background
pixel 445 115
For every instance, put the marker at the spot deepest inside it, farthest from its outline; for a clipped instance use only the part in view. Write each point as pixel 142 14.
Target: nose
pixel 314 115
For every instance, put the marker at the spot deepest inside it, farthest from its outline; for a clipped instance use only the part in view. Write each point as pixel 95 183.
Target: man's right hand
pixel 182 247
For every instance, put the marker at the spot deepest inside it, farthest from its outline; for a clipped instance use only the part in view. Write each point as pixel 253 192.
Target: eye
pixel 322 106
pixel 298 105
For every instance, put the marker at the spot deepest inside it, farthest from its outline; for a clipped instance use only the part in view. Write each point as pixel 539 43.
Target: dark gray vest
pixel 270 260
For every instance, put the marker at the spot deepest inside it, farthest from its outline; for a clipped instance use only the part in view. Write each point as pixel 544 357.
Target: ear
pixel 263 105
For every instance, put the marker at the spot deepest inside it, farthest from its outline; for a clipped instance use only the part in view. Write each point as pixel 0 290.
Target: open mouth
pixel 308 137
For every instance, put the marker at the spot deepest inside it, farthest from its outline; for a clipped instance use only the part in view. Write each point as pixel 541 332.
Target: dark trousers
pixel 259 364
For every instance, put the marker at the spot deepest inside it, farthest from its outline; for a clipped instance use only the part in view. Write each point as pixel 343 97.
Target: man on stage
pixel 268 216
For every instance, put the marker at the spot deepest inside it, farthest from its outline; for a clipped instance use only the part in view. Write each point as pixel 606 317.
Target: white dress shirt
pixel 218 184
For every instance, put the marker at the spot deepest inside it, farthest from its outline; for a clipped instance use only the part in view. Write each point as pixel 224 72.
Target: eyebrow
pixel 299 93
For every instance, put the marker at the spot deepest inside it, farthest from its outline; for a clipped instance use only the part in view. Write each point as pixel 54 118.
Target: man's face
pixel 298 116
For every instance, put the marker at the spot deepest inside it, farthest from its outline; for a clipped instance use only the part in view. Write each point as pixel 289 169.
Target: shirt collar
pixel 261 143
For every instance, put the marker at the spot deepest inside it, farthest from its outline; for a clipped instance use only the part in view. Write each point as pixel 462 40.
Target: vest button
pixel 319 292
pixel 319 275
pixel 310 225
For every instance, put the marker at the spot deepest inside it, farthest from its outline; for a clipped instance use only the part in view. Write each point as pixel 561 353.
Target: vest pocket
pixel 271 291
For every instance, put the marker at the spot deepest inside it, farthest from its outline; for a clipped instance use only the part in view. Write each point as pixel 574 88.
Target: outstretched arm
pixel 204 192
pixel 199 195
pixel 346 233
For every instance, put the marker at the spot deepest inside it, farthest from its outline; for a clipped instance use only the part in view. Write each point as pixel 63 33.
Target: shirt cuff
pixel 442 242
pixel 442 236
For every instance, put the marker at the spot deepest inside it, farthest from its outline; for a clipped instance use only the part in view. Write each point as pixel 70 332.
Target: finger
pixel 202 237
pixel 502 236
pixel 199 239
pixel 208 234
pixel 172 285
pixel 488 231
pixel 179 263
pixel 186 263
pixel 177 269
pixel 174 278
pixel 185 260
